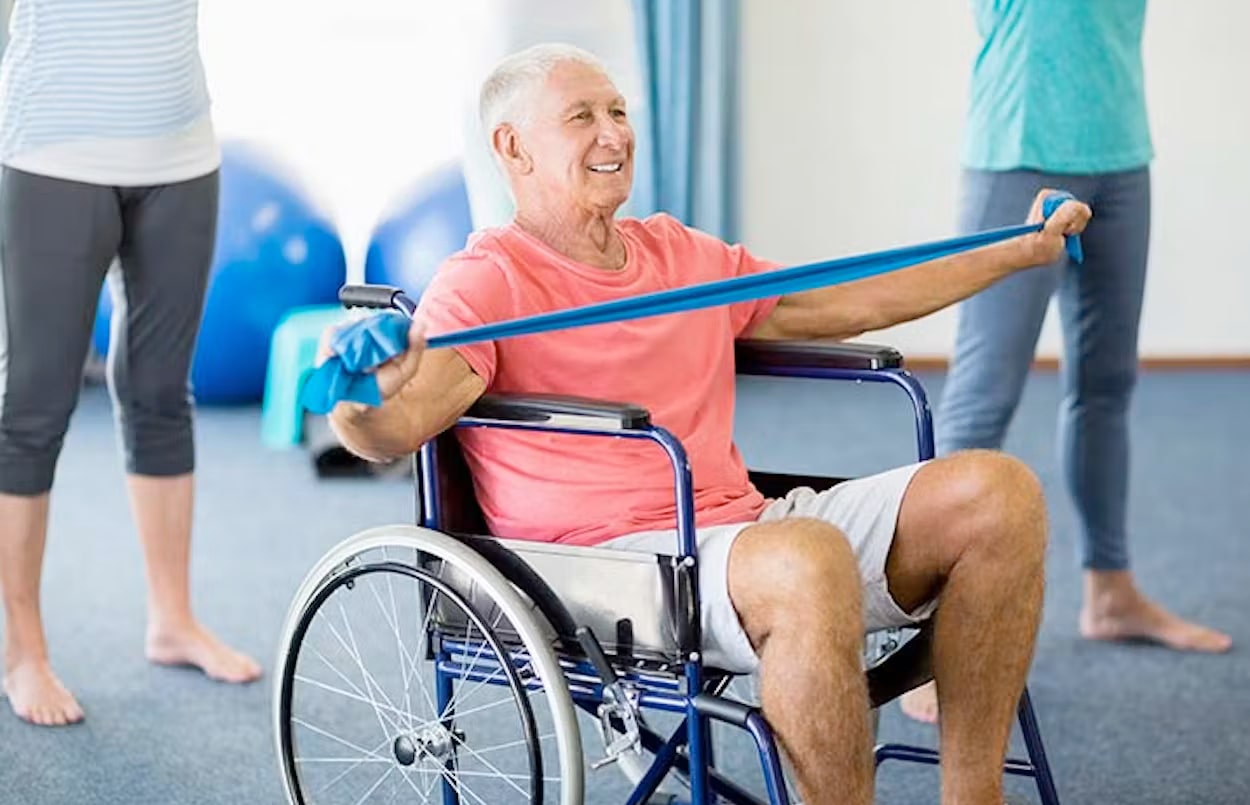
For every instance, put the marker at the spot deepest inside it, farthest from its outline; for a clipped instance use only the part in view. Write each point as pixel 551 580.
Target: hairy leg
pixel 796 588
pixel 972 530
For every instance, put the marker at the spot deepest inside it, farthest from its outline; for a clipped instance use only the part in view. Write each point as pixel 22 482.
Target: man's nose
pixel 612 133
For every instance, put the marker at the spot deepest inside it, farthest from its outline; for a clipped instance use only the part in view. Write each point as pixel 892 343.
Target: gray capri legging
pixel 57 241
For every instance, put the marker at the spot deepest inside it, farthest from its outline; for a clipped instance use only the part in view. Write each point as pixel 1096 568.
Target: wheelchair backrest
pixel 452 488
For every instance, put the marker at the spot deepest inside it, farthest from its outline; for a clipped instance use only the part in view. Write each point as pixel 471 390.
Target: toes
pixel 233 668
pixel 42 700
pixel 1209 640
pixel 244 669
pixel 58 715
pixel 252 671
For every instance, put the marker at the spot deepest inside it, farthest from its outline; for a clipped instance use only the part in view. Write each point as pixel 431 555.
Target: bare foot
pixel 1116 610
pixel 195 646
pixel 37 696
pixel 1145 620
pixel 921 703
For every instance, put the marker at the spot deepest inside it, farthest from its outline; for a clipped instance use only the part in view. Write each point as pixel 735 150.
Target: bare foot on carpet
pixel 1116 610
pixel 195 646
pixel 38 697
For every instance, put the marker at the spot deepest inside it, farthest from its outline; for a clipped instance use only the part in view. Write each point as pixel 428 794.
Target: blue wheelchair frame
pixel 688 749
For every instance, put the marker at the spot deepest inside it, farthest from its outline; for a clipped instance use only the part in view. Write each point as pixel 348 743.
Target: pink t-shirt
pixel 582 490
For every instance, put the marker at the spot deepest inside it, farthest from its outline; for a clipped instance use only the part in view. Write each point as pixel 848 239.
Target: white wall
pixel 852 123
pixel 360 98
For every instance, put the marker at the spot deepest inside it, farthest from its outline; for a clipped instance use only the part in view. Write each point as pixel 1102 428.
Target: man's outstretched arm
pixel 853 308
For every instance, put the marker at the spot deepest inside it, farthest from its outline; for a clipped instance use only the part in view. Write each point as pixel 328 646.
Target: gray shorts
pixel 865 509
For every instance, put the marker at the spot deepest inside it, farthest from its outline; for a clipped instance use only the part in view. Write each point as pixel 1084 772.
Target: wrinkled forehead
pixel 571 85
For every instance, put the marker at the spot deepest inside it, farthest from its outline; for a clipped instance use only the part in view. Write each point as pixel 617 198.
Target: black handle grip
pixel 382 297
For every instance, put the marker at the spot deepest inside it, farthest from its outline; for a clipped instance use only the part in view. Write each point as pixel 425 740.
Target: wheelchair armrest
pixel 556 411
pixel 758 356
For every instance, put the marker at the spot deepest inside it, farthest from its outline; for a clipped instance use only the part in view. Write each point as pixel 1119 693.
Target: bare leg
pixel 796 588
pixel 34 692
pixel 973 526
pixel 163 508
pixel 1116 610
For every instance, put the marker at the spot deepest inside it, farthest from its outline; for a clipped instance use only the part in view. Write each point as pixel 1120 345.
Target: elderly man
pixel 789 586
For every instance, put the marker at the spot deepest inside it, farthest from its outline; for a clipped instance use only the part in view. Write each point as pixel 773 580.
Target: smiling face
pixel 575 147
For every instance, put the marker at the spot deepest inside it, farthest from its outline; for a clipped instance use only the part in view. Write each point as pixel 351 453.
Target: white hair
pixel 517 76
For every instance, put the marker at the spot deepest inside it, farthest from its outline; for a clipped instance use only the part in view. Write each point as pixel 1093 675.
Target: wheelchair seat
pixel 580 586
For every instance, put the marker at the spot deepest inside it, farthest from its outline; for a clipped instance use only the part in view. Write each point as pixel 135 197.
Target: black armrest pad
pixel 559 411
pixel 756 357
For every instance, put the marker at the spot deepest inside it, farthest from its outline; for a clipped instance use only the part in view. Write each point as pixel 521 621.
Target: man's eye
pixel 583 115
pixel 619 114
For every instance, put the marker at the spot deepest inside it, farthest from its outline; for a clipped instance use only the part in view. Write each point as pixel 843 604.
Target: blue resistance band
pixel 366 344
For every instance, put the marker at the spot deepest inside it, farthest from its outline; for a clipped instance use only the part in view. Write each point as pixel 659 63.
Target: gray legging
pixel 57 240
pixel 1100 305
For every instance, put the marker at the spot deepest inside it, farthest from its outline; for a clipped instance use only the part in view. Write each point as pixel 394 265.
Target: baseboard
pixel 1148 363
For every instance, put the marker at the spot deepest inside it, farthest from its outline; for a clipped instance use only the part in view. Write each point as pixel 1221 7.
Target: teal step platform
pixel 292 355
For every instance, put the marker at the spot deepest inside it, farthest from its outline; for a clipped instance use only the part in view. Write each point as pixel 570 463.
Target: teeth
pixel 611 167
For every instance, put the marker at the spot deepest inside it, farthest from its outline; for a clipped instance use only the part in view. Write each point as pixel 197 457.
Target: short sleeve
pixel 746 316
pixel 466 292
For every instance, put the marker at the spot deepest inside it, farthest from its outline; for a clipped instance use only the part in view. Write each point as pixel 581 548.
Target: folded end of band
pixel 1071 243
pixel 348 375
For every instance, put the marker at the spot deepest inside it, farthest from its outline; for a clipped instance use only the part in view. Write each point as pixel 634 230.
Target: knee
pixel 800 571
pixel 1103 385
pixel 150 393
pixel 157 425
pixel 996 502
pixel 32 433
pixel 151 401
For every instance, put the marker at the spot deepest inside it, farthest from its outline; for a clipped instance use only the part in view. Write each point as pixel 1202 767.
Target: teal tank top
pixel 1057 86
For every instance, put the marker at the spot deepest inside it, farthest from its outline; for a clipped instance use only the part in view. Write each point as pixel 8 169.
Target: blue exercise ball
pixel 275 251
pixel 427 223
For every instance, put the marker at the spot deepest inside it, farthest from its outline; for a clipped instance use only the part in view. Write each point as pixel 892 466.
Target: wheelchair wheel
pixel 412 671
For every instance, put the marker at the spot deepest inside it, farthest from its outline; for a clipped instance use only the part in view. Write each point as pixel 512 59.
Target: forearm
pixel 915 292
pixel 375 434
pixel 431 401
pixel 853 308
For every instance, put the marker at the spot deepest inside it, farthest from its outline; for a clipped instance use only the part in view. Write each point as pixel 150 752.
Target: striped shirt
pixel 106 91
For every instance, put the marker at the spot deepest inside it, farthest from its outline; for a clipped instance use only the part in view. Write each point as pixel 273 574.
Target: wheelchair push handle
pixel 378 297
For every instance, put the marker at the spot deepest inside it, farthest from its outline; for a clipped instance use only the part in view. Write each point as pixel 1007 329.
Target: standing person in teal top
pixel 1058 100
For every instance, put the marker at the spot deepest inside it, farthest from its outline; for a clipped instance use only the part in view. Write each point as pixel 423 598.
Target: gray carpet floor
pixel 1123 724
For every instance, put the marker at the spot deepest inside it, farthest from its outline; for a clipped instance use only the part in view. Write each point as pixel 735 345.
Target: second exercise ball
pixel 427 223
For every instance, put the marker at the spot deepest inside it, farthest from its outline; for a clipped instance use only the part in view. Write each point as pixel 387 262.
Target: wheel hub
pixel 435 743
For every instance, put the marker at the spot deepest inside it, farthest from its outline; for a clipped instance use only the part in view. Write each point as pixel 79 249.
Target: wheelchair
pixel 462 674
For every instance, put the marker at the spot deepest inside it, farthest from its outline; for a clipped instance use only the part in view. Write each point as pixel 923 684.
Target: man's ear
pixel 506 141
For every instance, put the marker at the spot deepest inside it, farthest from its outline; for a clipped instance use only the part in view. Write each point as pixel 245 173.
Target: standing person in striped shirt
pixel 108 151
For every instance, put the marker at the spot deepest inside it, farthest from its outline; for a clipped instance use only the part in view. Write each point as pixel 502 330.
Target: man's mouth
pixel 607 167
